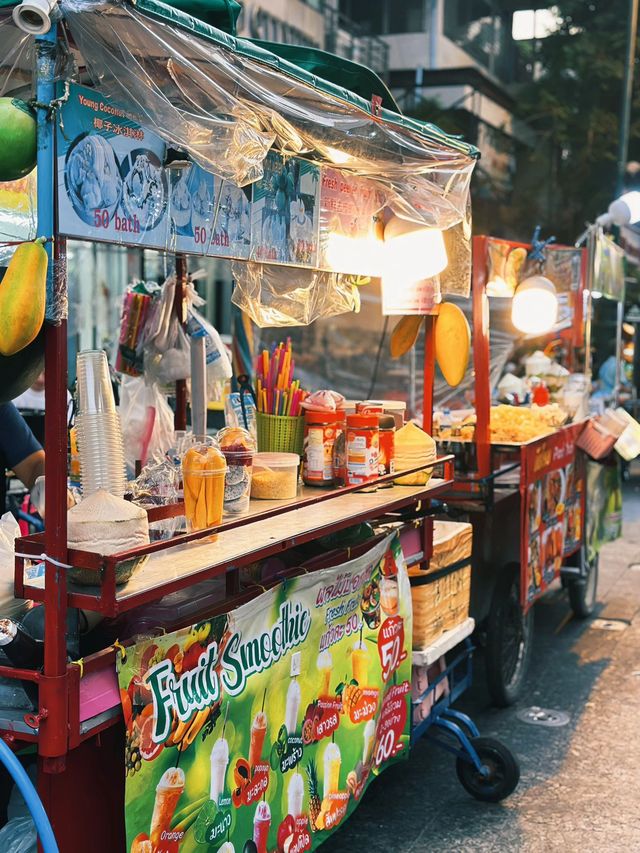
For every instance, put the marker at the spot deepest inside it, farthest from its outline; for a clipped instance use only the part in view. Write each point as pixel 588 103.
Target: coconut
pixel 17 139
pixel 105 524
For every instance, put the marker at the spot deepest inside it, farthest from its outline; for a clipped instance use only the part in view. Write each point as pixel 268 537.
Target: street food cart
pixel 521 475
pixel 130 99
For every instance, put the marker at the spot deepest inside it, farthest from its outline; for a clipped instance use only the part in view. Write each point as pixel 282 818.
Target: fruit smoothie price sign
pixel 552 489
pixel 112 185
pixel 258 731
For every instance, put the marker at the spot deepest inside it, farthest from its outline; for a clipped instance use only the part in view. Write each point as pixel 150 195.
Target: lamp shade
pixel 626 209
pixel 412 251
pixel 534 308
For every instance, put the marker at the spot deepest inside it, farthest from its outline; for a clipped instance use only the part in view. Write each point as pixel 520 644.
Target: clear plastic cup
pixel 203 476
pixel 95 393
pixel 237 487
pixel 101 451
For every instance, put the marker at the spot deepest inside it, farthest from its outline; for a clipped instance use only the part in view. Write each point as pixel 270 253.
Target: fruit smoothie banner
pixel 259 730
pixel 553 493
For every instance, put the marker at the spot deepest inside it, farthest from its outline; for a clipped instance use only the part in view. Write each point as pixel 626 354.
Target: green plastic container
pixel 280 433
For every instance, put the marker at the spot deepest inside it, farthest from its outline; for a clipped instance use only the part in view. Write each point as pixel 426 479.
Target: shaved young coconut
pixel 105 524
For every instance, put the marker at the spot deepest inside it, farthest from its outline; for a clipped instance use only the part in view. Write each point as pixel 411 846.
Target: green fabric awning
pixel 357 78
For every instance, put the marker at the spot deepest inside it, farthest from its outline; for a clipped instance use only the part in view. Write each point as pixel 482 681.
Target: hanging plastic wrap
pixel 455 279
pixel 16 58
pixel 226 101
pixel 18 216
pixel 286 296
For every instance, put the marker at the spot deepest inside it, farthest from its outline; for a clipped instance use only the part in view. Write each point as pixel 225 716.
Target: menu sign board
pixel 552 487
pixel 259 730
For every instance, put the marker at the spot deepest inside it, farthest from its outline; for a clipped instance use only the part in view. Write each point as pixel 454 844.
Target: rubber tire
pixel 583 592
pixel 505 771
pixel 505 689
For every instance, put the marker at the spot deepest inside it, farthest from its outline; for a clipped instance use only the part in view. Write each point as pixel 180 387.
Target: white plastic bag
pixel 19 836
pixel 147 422
pixel 218 363
pixel 9 605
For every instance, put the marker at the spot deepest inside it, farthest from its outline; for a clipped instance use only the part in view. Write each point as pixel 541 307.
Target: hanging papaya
pixel 514 266
pixel 452 343
pixel 405 334
pixel 17 139
pixel 23 296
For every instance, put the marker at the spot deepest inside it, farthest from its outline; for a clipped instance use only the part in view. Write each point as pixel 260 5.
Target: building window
pixel 386 17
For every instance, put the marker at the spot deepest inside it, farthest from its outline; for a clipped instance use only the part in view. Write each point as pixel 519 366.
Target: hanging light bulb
pixel 355 255
pixel 534 308
pixel 412 252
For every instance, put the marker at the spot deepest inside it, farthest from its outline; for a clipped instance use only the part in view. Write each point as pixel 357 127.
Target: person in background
pixel 31 406
pixel 19 451
pixel 607 375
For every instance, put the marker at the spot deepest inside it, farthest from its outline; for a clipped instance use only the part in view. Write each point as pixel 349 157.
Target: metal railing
pixel 346 38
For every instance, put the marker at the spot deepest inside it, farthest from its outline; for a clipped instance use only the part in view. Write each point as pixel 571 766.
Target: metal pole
pixel 627 92
pixel 53 687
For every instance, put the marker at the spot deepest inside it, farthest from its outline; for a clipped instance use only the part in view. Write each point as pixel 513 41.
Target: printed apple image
pixel 285 834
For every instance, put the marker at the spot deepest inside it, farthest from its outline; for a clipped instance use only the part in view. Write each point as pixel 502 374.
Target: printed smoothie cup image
pixel 168 792
pixel 369 738
pixel 292 707
pixel 261 826
pixel 332 764
pixel 219 763
pixel 258 732
pixel 360 662
pixel 324 665
pixel 295 795
pixel 389 595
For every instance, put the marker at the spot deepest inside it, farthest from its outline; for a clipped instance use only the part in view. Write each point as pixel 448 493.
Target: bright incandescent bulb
pixel 534 308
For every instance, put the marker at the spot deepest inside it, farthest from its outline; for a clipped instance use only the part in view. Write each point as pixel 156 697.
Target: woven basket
pixel 441 595
pixel 280 433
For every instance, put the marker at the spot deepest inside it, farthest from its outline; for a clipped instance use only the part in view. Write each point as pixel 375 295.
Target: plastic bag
pixel 9 605
pixel 172 364
pixel 147 421
pixel 218 363
pixel 19 836
pixel 275 295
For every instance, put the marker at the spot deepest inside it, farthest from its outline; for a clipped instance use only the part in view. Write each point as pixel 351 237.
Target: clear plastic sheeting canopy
pixel 286 296
pixel 227 102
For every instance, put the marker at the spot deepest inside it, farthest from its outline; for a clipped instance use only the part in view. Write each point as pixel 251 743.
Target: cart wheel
pixel 503 775
pixel 509 640
pixel 583 592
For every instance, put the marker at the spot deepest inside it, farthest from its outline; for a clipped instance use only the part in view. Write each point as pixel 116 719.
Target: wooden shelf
pixel 289 523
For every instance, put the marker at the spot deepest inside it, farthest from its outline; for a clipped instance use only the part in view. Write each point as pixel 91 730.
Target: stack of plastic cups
pixel 98 427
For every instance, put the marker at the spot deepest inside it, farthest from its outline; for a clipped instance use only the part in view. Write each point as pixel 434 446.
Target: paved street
pixel 579 784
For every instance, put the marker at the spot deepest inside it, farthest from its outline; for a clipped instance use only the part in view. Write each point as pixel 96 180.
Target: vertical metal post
pixel 627 94
pixel 619 321
pixel 53 695
pixel 428 373
pixel 481 355
pixel 180 417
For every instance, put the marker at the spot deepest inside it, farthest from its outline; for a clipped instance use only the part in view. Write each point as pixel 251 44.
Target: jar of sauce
pixel 320 429
pixel 363 446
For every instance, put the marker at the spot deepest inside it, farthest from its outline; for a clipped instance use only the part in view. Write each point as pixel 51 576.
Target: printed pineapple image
pixel 315 803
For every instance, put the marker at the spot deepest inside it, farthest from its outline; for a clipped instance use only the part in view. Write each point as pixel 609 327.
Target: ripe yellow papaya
pixel 452 343
pixel 513 269
pixel 23 296
pixel 405 334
